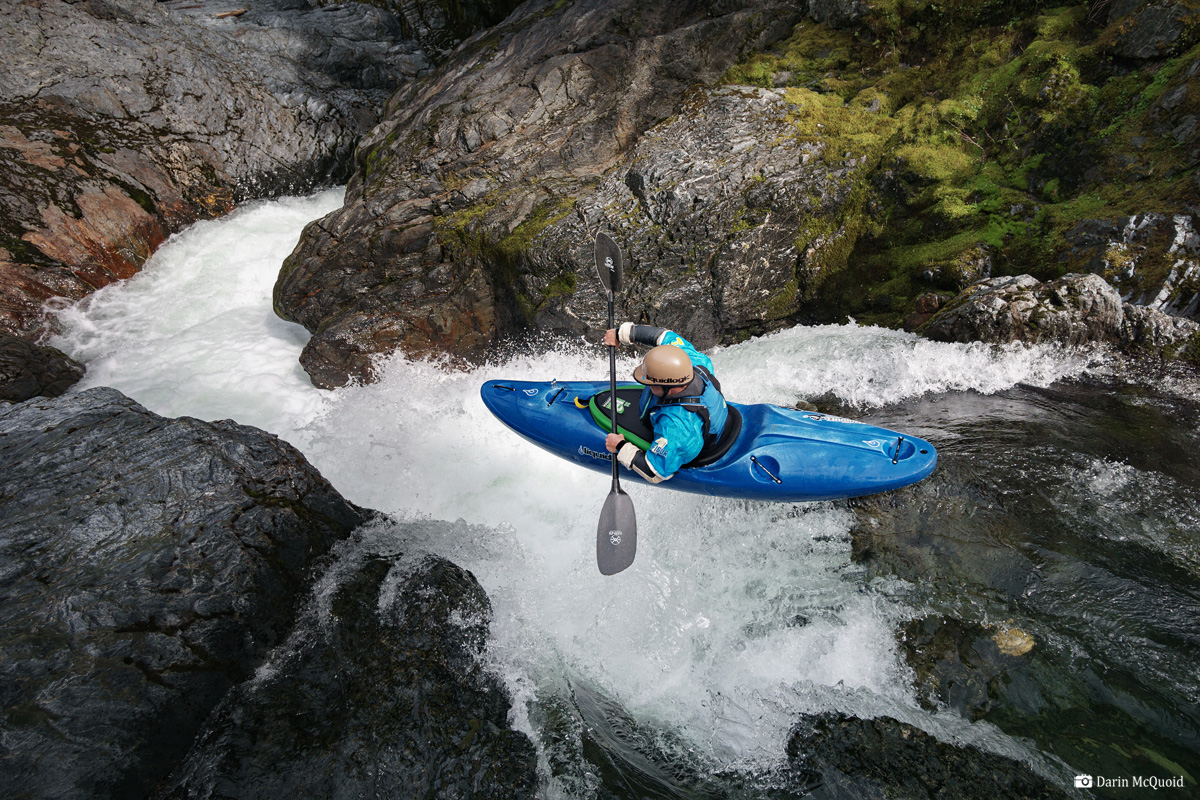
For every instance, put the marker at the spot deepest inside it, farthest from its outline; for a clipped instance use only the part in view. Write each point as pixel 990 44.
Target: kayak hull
pixel 781 454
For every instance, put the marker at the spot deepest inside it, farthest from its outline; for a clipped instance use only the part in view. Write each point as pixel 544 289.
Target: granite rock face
pixel 122 121
pixel 381 694
pixel 148 566
pixel 432 251
pixel 1075 309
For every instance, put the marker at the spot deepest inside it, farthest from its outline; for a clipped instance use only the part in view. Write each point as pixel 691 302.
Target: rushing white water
pixel 736 616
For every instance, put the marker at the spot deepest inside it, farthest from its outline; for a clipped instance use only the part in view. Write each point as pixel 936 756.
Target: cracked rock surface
pixel 1073 310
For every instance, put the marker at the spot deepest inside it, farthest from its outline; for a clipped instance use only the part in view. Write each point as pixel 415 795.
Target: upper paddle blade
pixel 616 535
pixel 608 262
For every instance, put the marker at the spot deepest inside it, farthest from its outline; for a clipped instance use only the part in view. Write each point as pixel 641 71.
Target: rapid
pixel 737 617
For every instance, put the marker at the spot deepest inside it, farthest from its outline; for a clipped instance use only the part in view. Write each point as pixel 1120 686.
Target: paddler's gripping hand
pixel 610 337
pixel 632 457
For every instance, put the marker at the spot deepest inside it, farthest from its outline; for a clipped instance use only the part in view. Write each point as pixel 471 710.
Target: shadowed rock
pixel 27 370
pixel 121 121
pixel 148 566
pixel 883 758
pixel 380 694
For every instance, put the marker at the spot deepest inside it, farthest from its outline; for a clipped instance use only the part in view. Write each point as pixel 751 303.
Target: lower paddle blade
pixel 616 535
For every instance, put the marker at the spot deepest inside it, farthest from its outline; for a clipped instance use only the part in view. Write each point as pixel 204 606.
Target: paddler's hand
pixel 610 337
pixel 613 441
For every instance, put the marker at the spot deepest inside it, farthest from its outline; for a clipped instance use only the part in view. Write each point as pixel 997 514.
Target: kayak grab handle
pixel 759 464
pixel 899 442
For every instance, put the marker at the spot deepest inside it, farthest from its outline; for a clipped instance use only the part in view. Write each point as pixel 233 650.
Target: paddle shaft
pixel 612 387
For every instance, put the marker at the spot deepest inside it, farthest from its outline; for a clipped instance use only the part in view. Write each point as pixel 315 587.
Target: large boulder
pixel 123 120
pixel 473 162
pixel 149 565
pixel 1075 309
pixel 381 693
pixel 28 370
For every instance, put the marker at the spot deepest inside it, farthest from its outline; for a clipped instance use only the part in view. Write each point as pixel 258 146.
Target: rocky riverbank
pixel 847 164
pixel 151 567
pixel 124 121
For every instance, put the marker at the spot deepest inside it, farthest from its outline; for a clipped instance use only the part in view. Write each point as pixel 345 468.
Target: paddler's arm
pixel 652 335
pixel 649 335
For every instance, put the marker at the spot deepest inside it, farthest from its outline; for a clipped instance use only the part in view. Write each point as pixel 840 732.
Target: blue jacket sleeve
pixel 651 336
pixel 696 357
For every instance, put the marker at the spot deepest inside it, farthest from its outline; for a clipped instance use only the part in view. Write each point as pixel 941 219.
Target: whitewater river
pixel 1065 507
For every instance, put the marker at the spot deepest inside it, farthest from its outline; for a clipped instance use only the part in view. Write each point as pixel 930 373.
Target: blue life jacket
pixel 703 398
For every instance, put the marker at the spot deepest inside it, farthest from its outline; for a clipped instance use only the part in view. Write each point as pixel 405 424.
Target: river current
pixel 1065 507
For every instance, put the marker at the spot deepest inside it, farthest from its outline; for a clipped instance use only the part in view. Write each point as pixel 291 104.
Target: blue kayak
pixel 769 452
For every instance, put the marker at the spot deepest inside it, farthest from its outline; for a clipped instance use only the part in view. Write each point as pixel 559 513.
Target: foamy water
pixel 736 616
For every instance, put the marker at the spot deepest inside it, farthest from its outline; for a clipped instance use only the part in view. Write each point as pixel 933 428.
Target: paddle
pixel 616 533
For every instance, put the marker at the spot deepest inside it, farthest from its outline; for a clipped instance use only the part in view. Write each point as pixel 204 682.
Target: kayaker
pixel 681 402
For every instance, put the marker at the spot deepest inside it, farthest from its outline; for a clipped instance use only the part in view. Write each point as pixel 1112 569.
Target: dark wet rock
pixel 1073 310
pixel 884 758
pixel 124 120
pixel 381 694
pixel 471 215
pixel 1037 512
pixel 28 370
pixel 925 307
pixel 1146 29
pixel 149 565
pixel 441 25
pixel 838 13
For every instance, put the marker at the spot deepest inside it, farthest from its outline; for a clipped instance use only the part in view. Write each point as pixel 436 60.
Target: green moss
pixel 815 56
pixel 993 123
pixel 542 216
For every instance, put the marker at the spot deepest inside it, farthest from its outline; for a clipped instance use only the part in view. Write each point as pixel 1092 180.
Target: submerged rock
pixel 964 665
pixel 28 370
pixel 380 694
pixel 883 758
pixel 1073 310
pixel 149 565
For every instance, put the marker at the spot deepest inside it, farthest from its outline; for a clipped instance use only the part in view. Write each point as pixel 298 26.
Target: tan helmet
pixel 665 365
